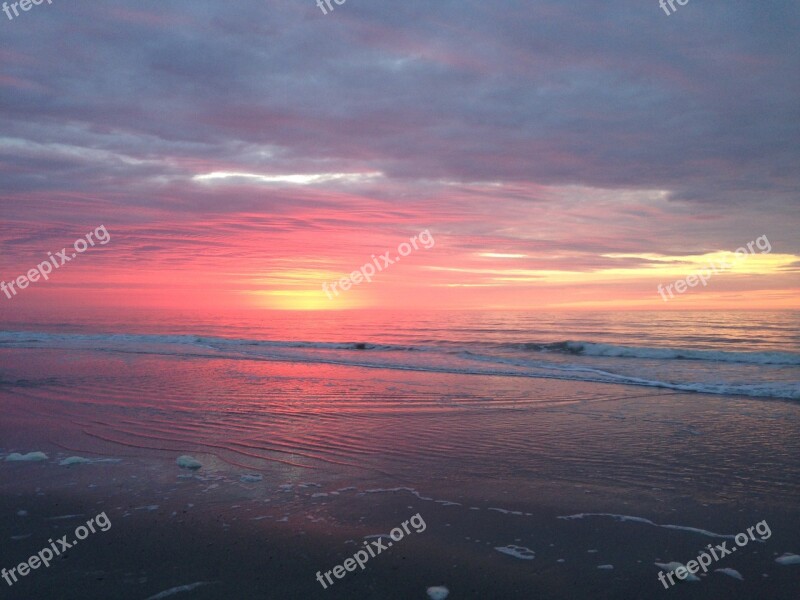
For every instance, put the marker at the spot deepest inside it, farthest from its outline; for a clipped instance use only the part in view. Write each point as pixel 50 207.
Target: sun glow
pixel 301 300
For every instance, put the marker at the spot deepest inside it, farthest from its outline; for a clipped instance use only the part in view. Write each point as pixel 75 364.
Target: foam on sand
pixel 177 590
pixel 674 566
pixel 438 592
pixel 29 457
pixel 623 518
pixel 788 559
pixel 730 573
pixel 378 536
pixel 187 462
pixel 505 511
pixel 74 460
pixel 517 551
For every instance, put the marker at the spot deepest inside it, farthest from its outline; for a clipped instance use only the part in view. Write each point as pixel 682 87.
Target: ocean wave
pixel 445 357
pixel 24 338
pixel 613 351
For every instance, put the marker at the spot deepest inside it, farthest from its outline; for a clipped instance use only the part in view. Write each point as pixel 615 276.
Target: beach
pixel 528 486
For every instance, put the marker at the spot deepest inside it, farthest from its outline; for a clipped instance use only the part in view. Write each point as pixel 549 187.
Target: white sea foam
pixel 520 552
pixel 187 462
pixel 74 460
pixel 438 592
pixel 623 518
pixel 398 489
pixel 505 511
pixel 177 590
pixel 730 573
pixel 674 566
pixel 614 351
pixel 788 559
pixel 29 457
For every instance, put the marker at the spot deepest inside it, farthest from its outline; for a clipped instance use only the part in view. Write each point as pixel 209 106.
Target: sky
pixel 562 155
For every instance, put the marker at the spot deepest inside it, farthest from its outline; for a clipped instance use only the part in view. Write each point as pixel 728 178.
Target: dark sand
pixel 236 541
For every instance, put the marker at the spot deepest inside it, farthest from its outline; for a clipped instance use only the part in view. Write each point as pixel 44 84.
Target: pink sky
pixel 562 156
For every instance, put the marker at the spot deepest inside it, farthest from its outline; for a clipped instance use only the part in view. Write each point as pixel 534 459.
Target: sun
pixel 301 300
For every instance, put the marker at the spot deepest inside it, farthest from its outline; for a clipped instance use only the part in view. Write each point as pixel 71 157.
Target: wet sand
pixel 245 550
pixel 493 462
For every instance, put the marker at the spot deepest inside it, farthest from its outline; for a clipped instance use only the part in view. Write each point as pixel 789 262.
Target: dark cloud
pixel 129 100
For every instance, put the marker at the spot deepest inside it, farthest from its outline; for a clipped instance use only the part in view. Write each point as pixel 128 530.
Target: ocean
pixel 748 353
